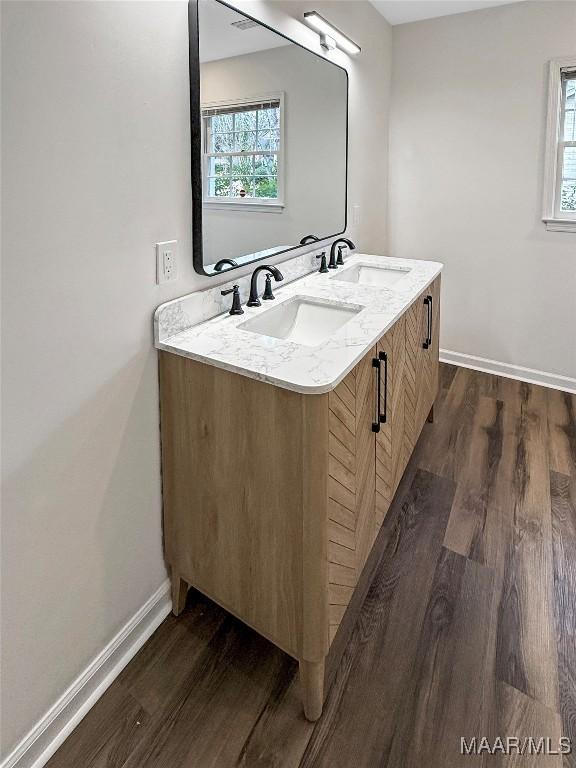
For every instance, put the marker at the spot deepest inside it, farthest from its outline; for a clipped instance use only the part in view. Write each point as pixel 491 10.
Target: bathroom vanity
pixel 285 429
pixel 285 433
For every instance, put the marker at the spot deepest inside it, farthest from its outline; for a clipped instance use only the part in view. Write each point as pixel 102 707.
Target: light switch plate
pixel 166 261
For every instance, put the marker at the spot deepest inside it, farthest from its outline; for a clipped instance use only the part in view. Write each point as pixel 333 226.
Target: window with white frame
pixel 560 177
pixel 243 152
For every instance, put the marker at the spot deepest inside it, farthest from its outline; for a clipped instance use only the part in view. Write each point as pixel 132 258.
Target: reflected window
pixel 243 152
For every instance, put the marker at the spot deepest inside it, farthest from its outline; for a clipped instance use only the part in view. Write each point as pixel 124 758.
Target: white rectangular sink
pixel 302 320
pixel 365 274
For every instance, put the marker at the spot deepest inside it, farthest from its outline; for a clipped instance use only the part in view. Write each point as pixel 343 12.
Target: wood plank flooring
pixel 468 627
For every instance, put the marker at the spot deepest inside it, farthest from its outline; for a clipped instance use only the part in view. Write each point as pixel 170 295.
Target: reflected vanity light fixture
pixel 330 36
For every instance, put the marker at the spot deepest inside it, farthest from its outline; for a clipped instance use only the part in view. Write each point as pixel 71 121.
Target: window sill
pixel 236 205
pixel 560 225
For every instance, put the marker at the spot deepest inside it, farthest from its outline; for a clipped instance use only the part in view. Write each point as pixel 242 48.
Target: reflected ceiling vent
pixel 245 24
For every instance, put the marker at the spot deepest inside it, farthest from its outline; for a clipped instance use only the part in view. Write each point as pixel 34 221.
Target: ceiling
pixel 403 11
pixel 220 40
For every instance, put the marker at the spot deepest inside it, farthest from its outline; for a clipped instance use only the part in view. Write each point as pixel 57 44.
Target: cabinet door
pixel 389 440
pixel 351 483
pixel 368 410
pixel 415 336
pixel 421 364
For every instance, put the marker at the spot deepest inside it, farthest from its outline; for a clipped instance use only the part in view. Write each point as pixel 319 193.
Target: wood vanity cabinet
pixel 273 499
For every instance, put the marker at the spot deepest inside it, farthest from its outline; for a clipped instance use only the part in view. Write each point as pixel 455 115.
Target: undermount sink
pixel 302 320
pixel 371 275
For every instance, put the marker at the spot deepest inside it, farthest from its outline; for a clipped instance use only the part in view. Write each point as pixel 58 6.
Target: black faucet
pixel 334 263
pixel 236 305
pixel 254 301
pixel 309 239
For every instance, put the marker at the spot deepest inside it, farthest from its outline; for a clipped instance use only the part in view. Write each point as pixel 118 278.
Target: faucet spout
pixel 335 262
pixel 254 301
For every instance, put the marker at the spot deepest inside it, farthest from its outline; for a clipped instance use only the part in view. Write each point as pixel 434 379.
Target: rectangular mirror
pixel 269 131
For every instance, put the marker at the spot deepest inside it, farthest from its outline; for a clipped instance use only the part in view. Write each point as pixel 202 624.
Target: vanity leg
pixel 179 592
pixel 430 418
pixel 312 684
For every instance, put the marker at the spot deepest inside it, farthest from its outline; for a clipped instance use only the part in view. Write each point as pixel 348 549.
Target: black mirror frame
pixel 196 140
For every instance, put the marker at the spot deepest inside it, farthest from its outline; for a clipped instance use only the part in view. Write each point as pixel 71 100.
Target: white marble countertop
pixel 304 369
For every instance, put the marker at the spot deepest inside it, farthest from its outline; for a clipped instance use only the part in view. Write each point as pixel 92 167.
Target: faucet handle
pixel 268 295
pixel 236 305
pixel 323 267
pixel 340 257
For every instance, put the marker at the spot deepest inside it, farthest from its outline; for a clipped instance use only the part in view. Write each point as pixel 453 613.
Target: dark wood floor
pixel 468 628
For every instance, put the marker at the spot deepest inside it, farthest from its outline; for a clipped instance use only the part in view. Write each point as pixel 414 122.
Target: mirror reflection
pixel 273 142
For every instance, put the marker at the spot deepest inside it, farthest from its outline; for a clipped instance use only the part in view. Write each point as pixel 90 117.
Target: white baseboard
pixel 47 735
pixel 544 379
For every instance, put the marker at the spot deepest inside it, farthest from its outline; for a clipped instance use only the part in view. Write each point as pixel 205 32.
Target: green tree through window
pixel 241 151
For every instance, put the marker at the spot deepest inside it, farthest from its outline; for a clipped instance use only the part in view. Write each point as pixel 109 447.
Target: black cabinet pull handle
pixel 384 416
pixel 376 423
pixel 428 303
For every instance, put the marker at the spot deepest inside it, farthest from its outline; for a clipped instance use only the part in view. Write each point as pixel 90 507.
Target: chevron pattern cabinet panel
pixel 413 374
pixel 421 366
pixel 390 454
pixel 351 484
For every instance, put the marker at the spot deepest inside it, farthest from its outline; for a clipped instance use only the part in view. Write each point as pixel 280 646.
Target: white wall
pixel 314 149
pixel 467 149
pixel 96 170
